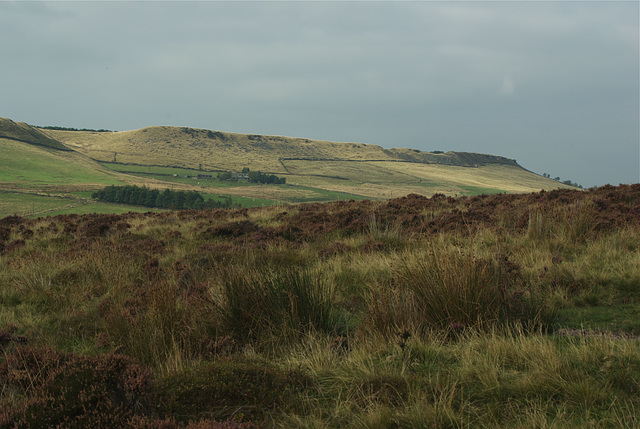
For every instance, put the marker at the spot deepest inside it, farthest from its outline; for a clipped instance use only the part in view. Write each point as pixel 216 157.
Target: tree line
pixel 566 182
pixel 254 177
pixel 56 128
pixel 260 177
pixel 154 198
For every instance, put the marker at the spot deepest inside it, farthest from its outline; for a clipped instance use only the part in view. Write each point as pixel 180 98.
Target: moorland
pixel 511 310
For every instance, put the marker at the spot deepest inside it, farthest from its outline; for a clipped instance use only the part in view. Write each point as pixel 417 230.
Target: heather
pixel 514 310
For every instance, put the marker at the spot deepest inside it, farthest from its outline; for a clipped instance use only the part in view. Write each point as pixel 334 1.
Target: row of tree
pixel 260 177
pixel 56 128
pixel 566 182
pixel 253 176
pixel 167 199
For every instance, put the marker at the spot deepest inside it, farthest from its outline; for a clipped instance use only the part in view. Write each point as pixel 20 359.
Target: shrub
pixel 101 225
pixel 229 389
pixel 333 249
pixel 231 230
pixel 68 390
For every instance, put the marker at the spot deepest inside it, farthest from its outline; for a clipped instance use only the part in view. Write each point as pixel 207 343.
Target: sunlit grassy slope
pixel 28 166
pixel 37 180
pixel 52 163
pixel 354 168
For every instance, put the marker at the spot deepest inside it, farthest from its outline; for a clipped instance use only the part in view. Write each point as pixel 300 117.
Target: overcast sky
pixel 552 84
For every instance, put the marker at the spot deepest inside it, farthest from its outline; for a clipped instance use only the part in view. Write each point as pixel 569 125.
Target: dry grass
pixel 354 168
pixel 258 303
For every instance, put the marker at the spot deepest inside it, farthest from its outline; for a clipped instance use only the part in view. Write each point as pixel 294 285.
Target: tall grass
pixel 505 378
pixel 406 321
pixel 452 289
pixel 268 304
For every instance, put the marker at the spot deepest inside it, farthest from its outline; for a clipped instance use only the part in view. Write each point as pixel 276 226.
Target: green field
pixel 22 204
pixel 151 169
pixel 35 181
pixel 176 175
pixel 27 166
pixel 322 195
pixel 32 205
pixel 49 176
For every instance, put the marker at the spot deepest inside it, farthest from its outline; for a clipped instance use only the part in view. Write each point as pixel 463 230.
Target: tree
pixel 151 198
pixel 225 175
pixel 163 199
pixel 144 196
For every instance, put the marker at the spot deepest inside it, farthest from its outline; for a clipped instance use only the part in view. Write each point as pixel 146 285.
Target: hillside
pixel 354 168
pixel 214 150
pixel 24 133
pixel 39 175
pixel 51 171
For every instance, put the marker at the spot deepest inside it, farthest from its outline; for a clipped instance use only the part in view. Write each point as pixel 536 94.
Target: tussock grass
pixel 453 290
pixel 273 304
pixel 411 313
pixel 506 378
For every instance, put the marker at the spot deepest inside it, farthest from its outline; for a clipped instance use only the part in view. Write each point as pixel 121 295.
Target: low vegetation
pixel 484 311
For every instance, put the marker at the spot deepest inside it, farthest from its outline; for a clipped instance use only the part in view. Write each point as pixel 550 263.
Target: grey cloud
pixel 536 81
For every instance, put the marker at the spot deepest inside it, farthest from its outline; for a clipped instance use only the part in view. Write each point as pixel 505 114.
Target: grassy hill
pixel 38 180
pixel 214 150
pixel 55 170
pixel 40 176
pixel 354 168
pixel 25 133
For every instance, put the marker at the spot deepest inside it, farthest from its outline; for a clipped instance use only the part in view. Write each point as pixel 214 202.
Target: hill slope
pixel 41 166
pixel 25 133
pixel 29 166
pixel 215 150
pixel 353 168
pixel 39 175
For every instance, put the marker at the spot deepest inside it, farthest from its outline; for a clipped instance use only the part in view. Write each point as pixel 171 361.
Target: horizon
pixel 554 177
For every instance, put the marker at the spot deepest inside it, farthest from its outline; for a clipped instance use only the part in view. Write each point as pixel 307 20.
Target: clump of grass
pixel 453 290
pixel 164 324
pixel 389 235
pixel 229 389
pixel 264 304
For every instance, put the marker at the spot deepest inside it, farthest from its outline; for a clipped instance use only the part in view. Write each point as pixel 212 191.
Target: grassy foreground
pixel 486 311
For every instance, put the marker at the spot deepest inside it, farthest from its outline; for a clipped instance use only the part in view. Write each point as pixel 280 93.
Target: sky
pixel 552 84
